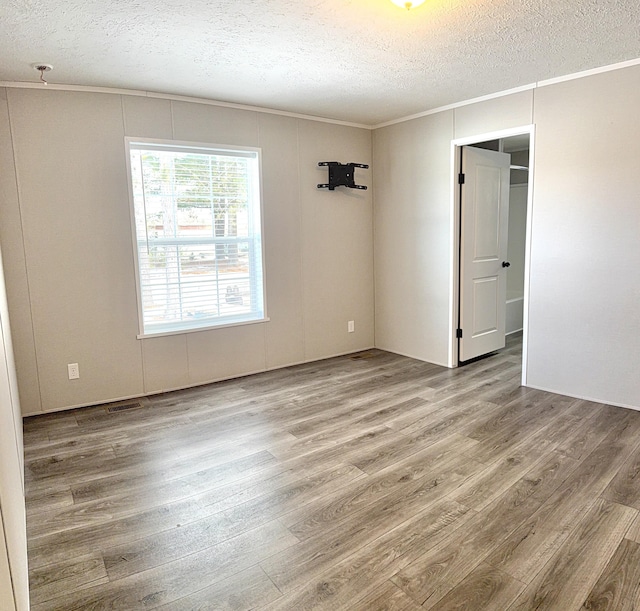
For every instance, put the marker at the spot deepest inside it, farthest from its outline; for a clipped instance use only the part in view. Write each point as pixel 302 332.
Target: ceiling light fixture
pixel 42 68
pixel 408 5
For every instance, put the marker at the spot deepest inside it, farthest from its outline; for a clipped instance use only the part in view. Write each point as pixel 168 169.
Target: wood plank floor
pixel 364 482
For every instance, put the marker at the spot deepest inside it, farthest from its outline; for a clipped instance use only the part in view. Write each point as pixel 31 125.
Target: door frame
pixel 454 284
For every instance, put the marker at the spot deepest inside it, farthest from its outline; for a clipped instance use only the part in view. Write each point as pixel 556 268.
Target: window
pixel 196 212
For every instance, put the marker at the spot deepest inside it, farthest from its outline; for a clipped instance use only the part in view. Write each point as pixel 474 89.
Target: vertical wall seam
pixel 373 234
pixel 186 351
pixel 124 118
pixel 265 351
pixel 265 275
pixel 24 248
pixel 144 378
pixel 524 375
pixel 302 242
pixel 135 279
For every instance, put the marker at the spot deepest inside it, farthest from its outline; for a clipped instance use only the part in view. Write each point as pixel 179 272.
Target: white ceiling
pixel 365 61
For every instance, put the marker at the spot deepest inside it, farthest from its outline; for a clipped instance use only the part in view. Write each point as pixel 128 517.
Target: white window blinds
pixel 198 232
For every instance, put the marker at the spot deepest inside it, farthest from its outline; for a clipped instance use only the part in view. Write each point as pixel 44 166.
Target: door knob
pixel 506 264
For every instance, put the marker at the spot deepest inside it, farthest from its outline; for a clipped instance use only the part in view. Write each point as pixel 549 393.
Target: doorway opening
pixel 490 254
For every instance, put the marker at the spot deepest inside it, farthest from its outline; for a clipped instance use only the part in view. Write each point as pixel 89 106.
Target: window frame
pixel 167 145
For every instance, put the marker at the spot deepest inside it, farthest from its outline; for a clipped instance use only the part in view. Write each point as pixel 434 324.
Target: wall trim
pixel 584 397
pixel 153 393
pixel 177 98
pixel 545 83
pixel 195 100
pixel 593 71
pixel 433 111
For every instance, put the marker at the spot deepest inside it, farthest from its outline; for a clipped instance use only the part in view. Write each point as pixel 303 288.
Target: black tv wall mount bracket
pixel 341 175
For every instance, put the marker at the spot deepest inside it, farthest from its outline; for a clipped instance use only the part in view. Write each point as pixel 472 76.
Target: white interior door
pixel 484 227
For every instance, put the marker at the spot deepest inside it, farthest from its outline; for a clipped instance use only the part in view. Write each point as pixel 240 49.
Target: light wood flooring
pixel 367 482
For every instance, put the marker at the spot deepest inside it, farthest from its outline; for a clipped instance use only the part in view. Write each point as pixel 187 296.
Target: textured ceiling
pixel 365 61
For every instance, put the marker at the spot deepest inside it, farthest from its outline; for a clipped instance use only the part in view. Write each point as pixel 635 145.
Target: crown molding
pixel 433 111
pixel 284 113
pixel 500 94
pixel 177 98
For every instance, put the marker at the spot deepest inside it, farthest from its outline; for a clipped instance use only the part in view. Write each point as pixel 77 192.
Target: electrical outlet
pixel 74 371
pixel 351 326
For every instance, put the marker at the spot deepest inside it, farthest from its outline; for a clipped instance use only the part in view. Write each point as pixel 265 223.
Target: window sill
pixel 200 329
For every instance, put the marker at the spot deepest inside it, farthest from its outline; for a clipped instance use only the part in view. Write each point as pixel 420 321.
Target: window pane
pixel 199 245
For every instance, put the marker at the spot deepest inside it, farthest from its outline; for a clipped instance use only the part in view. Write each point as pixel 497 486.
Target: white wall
pixel 67 198
pixel 67 242
pixel 412 238
pixel 584 319
pixel 517 238
pixel 413 212
pixel 15 271
pixel 14 579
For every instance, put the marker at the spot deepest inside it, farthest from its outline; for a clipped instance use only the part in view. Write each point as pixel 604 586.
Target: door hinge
pixel 459 333
pixel 461 178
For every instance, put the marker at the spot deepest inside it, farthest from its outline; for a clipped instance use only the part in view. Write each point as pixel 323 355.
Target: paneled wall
pixel 584 316
pixel 412 166
pixel 584 319
pixel 14 579
pixel 65 230
pixel 66 234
